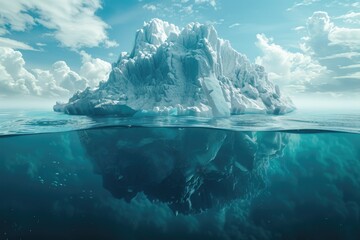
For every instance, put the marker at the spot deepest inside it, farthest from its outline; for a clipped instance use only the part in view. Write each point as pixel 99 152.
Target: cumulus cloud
pixel 335 47
pixel 58 81
pixel 292 70
pixel 324 36
pixel 73 22
pixel 49 86
pixel 326 61
pixel 94 69
pixel 67 78
pixel 14 78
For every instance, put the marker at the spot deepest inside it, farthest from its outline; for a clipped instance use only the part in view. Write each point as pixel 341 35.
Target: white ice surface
pixel 181 72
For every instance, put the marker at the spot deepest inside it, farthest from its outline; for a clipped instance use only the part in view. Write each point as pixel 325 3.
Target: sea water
pixel 246 177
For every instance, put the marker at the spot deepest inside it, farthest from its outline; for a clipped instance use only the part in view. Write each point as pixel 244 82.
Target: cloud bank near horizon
pixel 60 81
pixel 328 60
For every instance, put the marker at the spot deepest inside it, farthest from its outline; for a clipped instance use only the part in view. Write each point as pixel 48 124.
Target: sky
pixel 51 49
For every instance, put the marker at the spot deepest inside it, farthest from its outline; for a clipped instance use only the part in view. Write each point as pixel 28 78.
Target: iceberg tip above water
pixel 189 71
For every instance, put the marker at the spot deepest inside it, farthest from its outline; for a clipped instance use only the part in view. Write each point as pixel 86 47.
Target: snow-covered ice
pixel 189 71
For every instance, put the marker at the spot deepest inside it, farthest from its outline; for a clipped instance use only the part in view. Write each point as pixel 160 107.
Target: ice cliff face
pixel 181 72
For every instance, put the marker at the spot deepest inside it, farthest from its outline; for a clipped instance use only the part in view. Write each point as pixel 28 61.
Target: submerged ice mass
pixel 188 169
pixel 181 72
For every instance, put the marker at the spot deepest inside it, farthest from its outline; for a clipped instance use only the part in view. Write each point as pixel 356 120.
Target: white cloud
pixel 328 61
pixel 188 9
pixel 180 8
pixel 110 44
pixel 299 28
pixel 41 44
pixel 355 75
pixel 346 4
pixel 210 2
pixel 234 25
pixel 335 47
pixel 325 37
pixel 73 22
pixel 94 69
pixel 348 55
pixel 302 4
pixel 350 66
pixel 290 70
pixel 319 24
pixel 14 78
pixel 348 37
pixel 49 86
pixel 59 81
pixel 150 7
pixel 350 17
pixel 216 22
pixel 66 78
pixel 10 43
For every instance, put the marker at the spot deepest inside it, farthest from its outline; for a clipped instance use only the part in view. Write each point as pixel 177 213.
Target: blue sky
pixel 309 47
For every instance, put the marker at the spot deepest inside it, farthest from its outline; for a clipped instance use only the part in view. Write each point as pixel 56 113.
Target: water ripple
pixel 32 122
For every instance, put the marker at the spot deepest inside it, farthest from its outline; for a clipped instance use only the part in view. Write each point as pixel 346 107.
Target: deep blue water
pixel 247 177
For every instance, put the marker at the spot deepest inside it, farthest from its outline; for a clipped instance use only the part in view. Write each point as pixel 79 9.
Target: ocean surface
pixel 295 176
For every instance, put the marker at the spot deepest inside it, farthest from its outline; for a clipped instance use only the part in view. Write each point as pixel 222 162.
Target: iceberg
pixel 191 170
pixel 188 71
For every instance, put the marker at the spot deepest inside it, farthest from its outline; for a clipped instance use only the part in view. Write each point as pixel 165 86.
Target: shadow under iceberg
pixel 190 169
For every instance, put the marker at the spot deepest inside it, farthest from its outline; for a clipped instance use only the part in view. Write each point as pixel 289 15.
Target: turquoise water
pixel 40 121
pixel 248 177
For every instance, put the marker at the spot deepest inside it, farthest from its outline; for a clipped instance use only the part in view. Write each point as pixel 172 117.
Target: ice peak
pixel 153 34
pixel 157 31
pixel 195 33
